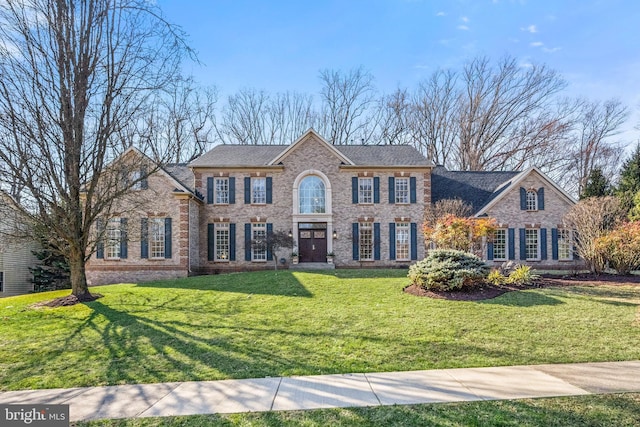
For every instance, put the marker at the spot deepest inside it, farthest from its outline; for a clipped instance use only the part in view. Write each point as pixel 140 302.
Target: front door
pixel 312 245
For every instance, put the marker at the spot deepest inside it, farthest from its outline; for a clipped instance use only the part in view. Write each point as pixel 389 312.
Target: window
pixel 402 190
pixel 500 244
pixel 365 190
pixel 312 195
pixel 221 191
pixel 564 244
pixel 222 242
pixel 112 237
pixel 532 200
pixel 366 241
pixel 259 235
pixel 532 243
pixel 156 237
pixel 259 191
pixel 402 241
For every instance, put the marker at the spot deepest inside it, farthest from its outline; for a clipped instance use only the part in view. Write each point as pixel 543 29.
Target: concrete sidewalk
pixel 332 391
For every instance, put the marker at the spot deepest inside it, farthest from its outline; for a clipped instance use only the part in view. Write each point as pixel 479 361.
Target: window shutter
pixel 392 190
pixel 523 199
pixel 376 189
pixel 412 190
pixel 123 238
pixel 100 238
pixel 211 246
pixel 209 190
pixel 490 251
pixel 144 182
pixel 554 243
pixel 144 238
pixel 543 243
pixel 392 240
pixel 376 241
pixel 232 190
pixel 247 190
pixel 167 238
pixel 512 243
pixel 247 242
pixel 414 241
pixel 523 246
pixel 232 242
pixel 269 237
pixel 355 237
pixel 541 199
pixel 354 190
pixel 269 190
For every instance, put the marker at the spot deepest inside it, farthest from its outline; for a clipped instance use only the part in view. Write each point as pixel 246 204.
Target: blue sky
pixel 281 45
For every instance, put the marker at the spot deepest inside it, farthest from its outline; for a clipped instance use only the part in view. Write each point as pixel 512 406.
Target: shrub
pixel 621 247
pixel 448 270
pixel 495 277
pixel 452 232
pixel 522 275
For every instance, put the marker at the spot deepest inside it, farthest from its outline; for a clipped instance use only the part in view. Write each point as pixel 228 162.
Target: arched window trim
pixel 327 195
pixel 532 200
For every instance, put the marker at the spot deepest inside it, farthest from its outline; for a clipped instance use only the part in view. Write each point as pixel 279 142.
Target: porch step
pixel 312 266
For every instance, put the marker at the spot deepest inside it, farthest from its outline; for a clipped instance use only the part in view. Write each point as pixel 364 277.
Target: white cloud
pixel 530 29
pixel 536 44
pixel 464 19
pixel 463 27
pixel 551 50
pixel 441 14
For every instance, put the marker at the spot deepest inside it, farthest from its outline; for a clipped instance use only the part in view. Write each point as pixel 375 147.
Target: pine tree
pixel 597 185
pixel 629 184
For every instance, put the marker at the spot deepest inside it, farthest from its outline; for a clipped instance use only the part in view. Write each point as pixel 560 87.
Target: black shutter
pixel 211 246
pixel 554 243
pixel 100 238
pixel 247 190
pixel 269 190
pixel 392 240
pixel 209 190
pixel 124 253
pixel 269 237
pixel 541 199
pixel 144 238
pixel 144 181
pixel 376 241
pixel 412 190
pixel 523 246
pixel 523 199
pixel 543 243
pixel 376 189
pixel 490 251
pixel 354 189
pixel 247 242
pixel 232 190
pixel 392 190
pixel 414 241
pixel 167 238
pixel 355 238
pixel 232 242
pixel 512 243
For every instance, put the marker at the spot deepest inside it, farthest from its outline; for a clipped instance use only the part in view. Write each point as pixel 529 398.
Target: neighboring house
pixel 363 204
pixel 528 207
pixel 16 254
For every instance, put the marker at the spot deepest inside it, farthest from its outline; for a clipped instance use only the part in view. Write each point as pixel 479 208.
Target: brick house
pixel 363 204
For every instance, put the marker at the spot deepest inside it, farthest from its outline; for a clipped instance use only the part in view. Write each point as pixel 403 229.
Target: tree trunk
pixel 79 286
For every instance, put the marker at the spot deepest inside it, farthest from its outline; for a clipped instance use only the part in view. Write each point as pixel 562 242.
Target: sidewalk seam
pixel 158 400
pixel 372 390
pixel 273 401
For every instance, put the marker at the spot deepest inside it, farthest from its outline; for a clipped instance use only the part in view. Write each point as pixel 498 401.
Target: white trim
pixel 310 132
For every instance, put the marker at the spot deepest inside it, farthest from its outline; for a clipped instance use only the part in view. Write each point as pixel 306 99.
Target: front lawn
pixel 301 323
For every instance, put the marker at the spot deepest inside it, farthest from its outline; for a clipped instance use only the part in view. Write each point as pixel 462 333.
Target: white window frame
pixel 500 245
pixel 112 238
pixel 156 236
pixel 221 190
pixel 532 242
pixel 402 191
pixel 258 231
pixel 366 241
pixel 222 242
pixel 365 190
pixel 565 245
pixel 259 190
pixel 312 195
pixel 403 241
pixel 531 200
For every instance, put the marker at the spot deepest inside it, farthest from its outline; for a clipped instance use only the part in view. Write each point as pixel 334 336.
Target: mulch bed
pixel 488 291
pixel 66 301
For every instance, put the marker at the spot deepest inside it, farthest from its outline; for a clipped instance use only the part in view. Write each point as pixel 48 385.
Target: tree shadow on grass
pixel 282 282
pixel 522 299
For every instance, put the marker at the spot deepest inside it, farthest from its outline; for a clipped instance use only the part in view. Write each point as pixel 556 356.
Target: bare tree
pixel 290 115
pixel 76 76
pixel 444 207
pixel 391 118
pixel 346 101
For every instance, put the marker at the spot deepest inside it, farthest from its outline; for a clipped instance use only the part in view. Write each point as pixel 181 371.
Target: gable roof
pixel 230 156
pixel 475 188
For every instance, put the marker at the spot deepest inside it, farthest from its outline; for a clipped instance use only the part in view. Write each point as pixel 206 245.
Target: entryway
pixel 312 242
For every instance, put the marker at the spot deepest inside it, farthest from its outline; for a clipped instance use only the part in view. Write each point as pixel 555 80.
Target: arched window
pixel 312 195
pixel 532 200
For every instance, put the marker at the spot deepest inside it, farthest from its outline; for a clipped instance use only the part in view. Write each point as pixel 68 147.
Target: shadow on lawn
pixel 522 299
pixel 282 283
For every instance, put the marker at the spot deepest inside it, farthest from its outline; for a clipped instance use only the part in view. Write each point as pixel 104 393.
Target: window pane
pixel 312 195
pixel 222 242
pixel 402 241
pixel 532 200
pixel 222 190
pixel 532 244
pixel 564 244
pixel 402 190
pixel 366 241
pixel 259 248
pixel 365 190
pixel 500 244
pixel 156 237
pixel 112 237
pixel 259 190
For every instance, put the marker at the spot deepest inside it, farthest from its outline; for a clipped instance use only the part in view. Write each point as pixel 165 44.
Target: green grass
pixel 603 410
pixel 297 323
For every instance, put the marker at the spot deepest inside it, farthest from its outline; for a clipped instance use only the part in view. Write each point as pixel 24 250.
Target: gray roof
pixel 475 188
pixel 181 173
pixel 261 155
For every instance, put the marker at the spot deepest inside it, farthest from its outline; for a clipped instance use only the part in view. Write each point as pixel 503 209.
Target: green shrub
pixel 522 275
pixel 448 270
pixel 495 277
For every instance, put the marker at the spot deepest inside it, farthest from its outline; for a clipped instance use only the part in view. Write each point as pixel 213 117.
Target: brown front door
pixel 312 245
